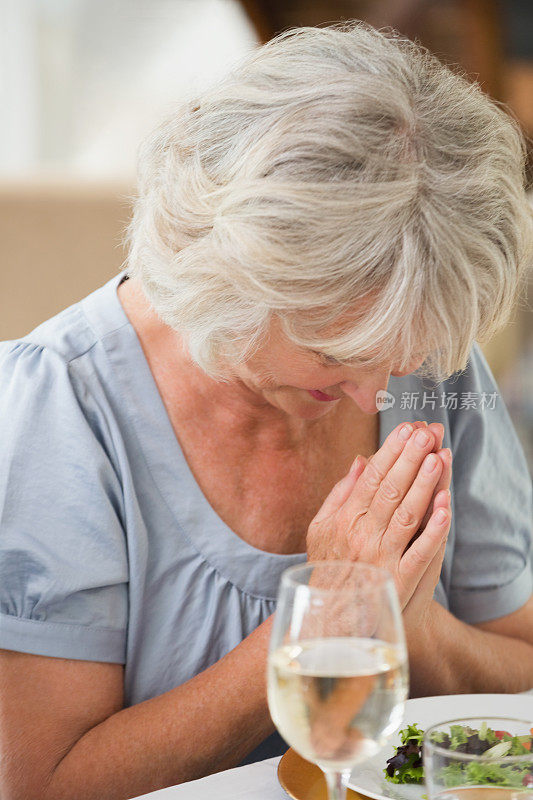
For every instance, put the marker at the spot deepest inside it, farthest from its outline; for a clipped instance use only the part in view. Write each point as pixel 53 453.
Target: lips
pixel 322 396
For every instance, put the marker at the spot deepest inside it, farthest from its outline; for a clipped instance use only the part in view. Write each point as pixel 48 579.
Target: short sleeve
pixel 492 502
pixel 63 561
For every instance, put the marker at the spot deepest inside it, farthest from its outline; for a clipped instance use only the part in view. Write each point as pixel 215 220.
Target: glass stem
pixel 336 782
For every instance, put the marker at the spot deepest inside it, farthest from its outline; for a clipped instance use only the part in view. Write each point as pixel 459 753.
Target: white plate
pixel 426 711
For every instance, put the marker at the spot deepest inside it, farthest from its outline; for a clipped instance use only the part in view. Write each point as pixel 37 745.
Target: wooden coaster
pixel 305 781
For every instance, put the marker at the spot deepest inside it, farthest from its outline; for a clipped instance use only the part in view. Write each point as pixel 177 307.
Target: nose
pixel 364 392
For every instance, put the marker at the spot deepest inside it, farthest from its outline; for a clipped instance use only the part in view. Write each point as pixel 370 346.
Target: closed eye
pixel 328 361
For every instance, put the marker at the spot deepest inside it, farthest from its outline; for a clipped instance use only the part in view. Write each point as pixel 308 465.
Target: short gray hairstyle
pixel 338 172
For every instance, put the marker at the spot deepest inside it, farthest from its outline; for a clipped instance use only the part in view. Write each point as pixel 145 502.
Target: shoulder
pixel 53 400
pixel 52 345
pixel 66 354
pixel 73 332
pixel 37 382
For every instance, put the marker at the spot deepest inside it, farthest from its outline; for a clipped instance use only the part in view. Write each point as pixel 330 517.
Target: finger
pixel 396 483
pixel 341 490
pixel 430 578
pixel 417 558
pixel 407 517
pixel 442 500
pixel 446 475
pixel 379 465
pixel 437 429
pixel 359 464
pixel 443 482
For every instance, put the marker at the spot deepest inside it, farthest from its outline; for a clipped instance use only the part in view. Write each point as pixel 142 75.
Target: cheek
pixel 263 379
pixel 302 374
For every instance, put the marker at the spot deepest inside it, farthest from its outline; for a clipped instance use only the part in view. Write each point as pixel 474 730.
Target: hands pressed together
pixel 392 510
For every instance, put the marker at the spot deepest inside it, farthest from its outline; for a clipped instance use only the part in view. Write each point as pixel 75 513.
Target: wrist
pixel 421 634
pixel 418 621
pixel 425 634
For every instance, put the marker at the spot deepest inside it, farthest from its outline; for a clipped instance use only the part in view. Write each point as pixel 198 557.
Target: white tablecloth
pixel 257 781
pixel 254 782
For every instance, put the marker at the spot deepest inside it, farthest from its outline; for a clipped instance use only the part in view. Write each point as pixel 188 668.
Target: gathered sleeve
pixel 492 502
pixel 63 557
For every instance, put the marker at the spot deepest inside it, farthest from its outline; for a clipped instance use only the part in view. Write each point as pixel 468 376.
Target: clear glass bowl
pixel 490 775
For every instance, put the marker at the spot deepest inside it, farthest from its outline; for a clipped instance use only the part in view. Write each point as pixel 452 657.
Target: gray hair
pixel 337 173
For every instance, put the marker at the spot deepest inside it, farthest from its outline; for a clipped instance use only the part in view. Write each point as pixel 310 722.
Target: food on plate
pixel 407 764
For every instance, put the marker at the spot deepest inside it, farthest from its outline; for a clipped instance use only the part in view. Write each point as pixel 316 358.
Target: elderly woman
pixel 335 222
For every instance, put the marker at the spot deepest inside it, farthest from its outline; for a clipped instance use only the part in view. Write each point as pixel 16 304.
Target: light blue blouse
pixel 109 551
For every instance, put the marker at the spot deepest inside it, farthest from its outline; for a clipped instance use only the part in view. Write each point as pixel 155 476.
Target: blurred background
pixel 81 82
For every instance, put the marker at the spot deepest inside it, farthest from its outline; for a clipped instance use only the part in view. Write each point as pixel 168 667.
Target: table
pixel 253 782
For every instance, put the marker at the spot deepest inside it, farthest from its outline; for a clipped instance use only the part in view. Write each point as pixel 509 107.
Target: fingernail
pixel 441 516
pixel 430 463
pixel 422 438
pixel 405 432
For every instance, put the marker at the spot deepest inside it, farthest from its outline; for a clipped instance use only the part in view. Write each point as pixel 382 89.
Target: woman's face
pixel 306 384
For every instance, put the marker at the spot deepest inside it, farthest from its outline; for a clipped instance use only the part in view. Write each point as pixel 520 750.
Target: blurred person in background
pixel 340 216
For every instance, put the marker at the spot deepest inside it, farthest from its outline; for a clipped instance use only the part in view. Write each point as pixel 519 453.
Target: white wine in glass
pixel 337 667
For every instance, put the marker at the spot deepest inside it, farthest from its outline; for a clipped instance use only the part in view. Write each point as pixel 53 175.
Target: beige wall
pixel 58 243
pixel 61 241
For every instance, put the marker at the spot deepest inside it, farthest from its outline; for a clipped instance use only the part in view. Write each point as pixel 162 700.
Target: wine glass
pixel 337 665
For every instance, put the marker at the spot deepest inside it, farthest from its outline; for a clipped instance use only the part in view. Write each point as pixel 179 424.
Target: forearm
pixel 205 725
pixel 447 656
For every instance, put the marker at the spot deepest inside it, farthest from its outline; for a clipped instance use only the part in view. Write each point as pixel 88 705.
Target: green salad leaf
pixel 476 773
pixel 406 765
pixel 412 734
pixel 459 735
